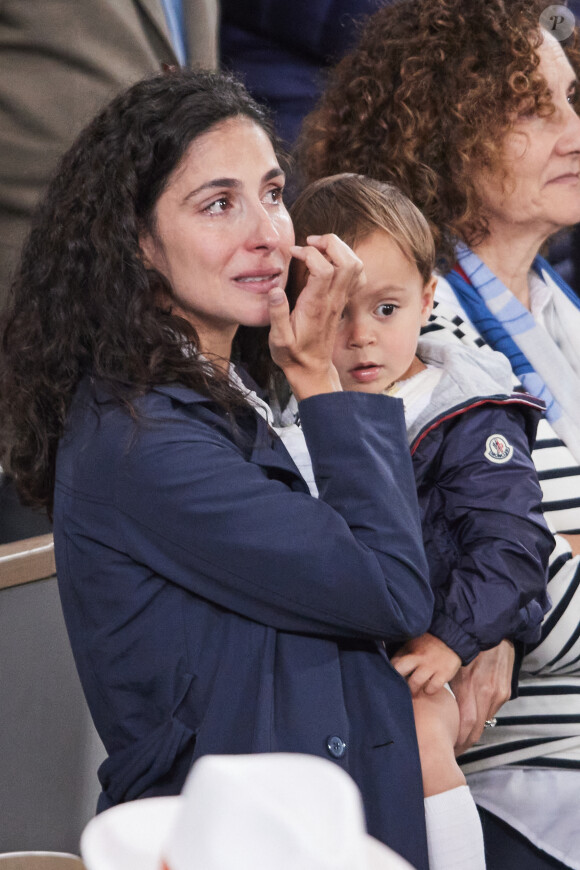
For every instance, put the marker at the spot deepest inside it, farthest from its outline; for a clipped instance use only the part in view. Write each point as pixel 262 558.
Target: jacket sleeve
pixel 499 542
pixel 350 563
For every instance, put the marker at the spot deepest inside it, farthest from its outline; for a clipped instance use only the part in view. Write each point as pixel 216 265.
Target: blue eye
pixel 386 309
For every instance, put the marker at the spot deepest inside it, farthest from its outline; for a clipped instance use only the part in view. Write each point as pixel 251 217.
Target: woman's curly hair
pixel 424 102
pixel 83 302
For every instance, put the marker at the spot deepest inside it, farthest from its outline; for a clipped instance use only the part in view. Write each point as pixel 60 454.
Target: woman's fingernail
pixel 311 239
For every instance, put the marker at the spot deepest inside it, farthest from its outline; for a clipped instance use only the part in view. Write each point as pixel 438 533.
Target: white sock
pixel 454 836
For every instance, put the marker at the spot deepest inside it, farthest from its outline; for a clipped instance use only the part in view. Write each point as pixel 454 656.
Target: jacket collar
pixel 268 451
pixel 179 392
pixel 189 396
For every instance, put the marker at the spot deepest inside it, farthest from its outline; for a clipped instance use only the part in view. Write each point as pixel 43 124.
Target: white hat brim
pixel 132 837
pixel 380 857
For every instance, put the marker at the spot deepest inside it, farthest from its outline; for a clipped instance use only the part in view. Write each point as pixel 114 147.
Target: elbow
pixel 418 614
pixel 405 617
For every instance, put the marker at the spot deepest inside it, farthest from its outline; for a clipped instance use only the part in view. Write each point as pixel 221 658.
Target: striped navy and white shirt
pixel 527 769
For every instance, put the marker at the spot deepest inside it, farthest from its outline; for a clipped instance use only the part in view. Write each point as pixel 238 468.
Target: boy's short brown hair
pixel 353 207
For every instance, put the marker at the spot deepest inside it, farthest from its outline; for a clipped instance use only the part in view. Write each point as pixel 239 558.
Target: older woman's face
pixel 222 234
pixel 540 191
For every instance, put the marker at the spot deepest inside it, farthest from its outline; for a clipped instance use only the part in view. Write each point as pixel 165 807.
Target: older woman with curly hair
pixel 469 107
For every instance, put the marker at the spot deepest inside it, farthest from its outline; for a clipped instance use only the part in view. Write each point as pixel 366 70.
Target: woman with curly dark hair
pixel 213 605
pixel 469 107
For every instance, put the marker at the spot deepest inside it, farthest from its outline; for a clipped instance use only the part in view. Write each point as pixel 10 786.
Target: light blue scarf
pixel 547 364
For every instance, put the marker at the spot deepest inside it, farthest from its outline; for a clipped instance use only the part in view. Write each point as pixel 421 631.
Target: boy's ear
pixel 427 299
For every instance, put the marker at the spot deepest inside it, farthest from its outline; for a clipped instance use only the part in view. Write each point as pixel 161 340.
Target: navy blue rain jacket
pixel 214 606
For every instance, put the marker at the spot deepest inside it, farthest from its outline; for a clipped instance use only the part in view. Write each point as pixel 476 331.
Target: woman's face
pixel 222 234
pixel 540 190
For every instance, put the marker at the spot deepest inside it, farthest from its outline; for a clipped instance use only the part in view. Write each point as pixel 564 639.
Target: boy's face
pixel 378 334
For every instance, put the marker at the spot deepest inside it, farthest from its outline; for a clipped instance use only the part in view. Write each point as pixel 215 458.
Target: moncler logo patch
pixel 498 449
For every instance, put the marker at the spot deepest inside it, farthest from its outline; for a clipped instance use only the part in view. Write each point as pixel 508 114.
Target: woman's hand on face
pixel 302 342
pixel 481 687
pixel 427 663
